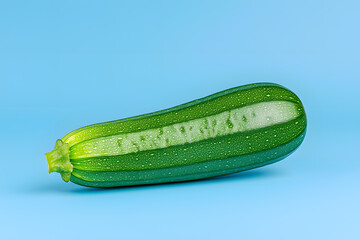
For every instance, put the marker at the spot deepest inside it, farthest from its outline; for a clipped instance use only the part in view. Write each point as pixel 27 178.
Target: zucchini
pixel 230 131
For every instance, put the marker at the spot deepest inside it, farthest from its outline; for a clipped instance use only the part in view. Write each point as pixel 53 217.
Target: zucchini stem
pixel 59 160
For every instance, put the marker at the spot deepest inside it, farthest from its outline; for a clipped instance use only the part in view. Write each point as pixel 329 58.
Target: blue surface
pixel 67 64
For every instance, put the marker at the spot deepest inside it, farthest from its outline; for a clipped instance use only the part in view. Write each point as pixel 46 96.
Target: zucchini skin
pixel 231 131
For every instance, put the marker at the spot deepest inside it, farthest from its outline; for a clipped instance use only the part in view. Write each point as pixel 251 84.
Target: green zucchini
pixel 230 131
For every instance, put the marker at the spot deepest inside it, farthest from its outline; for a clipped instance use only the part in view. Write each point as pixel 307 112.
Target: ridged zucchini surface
pixel 230 131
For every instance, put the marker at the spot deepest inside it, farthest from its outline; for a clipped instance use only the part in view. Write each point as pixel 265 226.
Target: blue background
pixel 67 64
